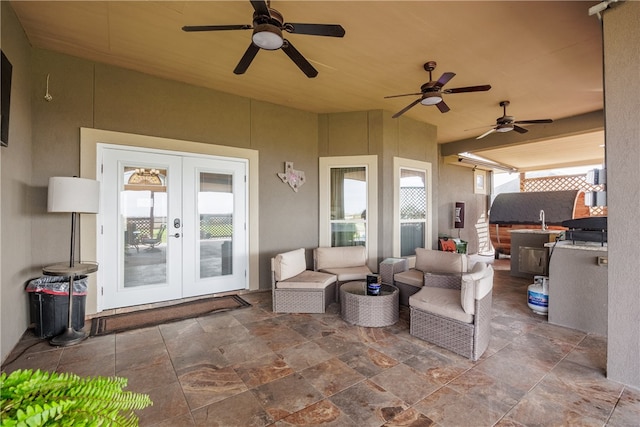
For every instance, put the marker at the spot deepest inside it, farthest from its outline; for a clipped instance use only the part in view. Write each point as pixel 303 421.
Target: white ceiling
pixel 545 57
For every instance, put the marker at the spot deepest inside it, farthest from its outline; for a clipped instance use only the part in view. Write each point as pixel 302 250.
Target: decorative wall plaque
pixel 293 177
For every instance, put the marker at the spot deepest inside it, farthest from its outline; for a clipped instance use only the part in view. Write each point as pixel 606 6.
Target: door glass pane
pixel 413 210
pixel 215 210
pixel 143 210
pixel 348 206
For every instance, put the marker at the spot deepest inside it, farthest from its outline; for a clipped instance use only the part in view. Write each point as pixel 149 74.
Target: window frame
pixel 400 163
pixel 370 163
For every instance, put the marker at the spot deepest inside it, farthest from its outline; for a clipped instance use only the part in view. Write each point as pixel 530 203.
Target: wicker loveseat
pixel 454 311
pixel 348 263
pixel 427 261
pixel 296 289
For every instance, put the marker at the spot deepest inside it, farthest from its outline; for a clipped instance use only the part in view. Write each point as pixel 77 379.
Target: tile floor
pixel 251 367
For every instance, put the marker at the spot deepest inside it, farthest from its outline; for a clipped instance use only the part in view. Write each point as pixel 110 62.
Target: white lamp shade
pixel 431 100
pixel 267 37
pixel 70 194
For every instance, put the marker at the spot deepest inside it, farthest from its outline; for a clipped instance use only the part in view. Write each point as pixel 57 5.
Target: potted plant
pixel 40 398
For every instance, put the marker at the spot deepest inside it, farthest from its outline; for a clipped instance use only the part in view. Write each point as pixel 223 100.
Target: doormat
pixel 155 316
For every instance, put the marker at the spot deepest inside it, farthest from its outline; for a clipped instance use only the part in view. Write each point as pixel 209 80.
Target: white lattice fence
pixel 563 183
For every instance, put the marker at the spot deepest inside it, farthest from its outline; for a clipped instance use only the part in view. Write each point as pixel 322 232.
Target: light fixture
pixel 431 99
pixel 72 195
pixel 475 161
pixel 504 127
pixel 267 36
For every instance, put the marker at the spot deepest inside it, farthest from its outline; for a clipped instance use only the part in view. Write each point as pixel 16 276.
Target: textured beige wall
pixel 457 183
pixel 288 219
pixel 376 133
pixel 15 188
pixel 622 136
pixel 104 97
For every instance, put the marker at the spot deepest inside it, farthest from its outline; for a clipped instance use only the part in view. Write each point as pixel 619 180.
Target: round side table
pixel 361 309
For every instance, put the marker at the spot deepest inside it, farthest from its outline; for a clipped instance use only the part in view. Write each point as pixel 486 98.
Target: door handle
pixel 177 235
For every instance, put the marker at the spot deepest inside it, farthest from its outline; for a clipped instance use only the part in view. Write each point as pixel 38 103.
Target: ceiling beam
pixel 575 125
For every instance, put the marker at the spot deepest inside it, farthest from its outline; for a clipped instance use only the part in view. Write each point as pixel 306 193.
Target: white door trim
pixel 89 166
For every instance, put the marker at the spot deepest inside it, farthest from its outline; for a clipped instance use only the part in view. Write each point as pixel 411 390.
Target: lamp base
pixel 69 337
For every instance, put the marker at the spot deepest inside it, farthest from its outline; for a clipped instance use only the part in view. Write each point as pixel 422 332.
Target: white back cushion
pixel 340 257
pixel 431 261
pixel 475 285
pixel 289 264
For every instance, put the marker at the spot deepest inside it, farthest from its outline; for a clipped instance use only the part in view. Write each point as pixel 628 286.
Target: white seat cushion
pixel 411 277
pixel 347 274
pixel 440 301
pixel 308 279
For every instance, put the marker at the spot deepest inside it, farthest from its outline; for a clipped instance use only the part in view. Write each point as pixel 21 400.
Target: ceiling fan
pixel 508 123
pixel 268 25
pixel 431 92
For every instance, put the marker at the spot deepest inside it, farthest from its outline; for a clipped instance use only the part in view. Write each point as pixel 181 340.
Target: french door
pixel 173 225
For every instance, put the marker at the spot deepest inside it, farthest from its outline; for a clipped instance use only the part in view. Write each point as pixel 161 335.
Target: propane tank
pixel 538 295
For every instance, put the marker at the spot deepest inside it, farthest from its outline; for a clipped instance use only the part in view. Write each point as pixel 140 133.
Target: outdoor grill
pixel 592 229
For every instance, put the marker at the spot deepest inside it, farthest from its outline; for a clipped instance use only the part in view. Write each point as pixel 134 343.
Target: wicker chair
pixel 454 310
pixel 427 261
pixel 296 289
pixel 348 263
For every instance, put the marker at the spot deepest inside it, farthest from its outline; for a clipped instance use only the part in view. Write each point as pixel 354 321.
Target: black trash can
pixel 49 304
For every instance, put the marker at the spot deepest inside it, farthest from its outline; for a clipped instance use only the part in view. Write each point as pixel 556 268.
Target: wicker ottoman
pixel 361 309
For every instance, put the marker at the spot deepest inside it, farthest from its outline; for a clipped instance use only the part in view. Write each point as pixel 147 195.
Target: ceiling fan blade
pixel 486 133
pixel 331 30
pixel 534 121
pixel 246 59
pixel 443 107
pixel 444 78
pixel 191 28
pixel 405 109
pixel 480 88
pixel 404 94
pixel 299 60
pixel 519 129
pixel 260 6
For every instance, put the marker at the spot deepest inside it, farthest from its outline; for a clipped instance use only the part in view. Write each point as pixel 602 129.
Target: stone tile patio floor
pixel 253 367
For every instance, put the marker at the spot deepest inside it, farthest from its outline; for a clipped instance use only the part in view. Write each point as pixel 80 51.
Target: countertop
pixel 535 231
pixel 583 246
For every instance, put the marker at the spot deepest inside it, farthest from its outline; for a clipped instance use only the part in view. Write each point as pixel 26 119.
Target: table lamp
pixel 73 195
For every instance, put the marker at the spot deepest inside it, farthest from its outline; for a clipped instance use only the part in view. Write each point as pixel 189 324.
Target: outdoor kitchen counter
pixel 582 246
pixel 578 286
pixel 528 251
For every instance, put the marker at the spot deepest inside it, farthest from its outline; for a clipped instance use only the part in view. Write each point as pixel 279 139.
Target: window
pixel 412 206
pixel 348 206
pixel 348 202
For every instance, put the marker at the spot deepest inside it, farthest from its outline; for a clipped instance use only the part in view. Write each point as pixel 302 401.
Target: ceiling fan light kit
pixel 509 123
pixel 267 37
pixel 431 92
pixel 431 100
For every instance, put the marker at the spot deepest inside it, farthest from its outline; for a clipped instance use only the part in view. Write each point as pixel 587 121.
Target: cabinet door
pixel 533 260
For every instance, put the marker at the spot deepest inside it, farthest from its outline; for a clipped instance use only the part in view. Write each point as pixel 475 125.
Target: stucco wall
pixel 622 136
pixel 376 133
pixel 459 184
pixel 104 97
pixel 46 142
pixel 15 184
